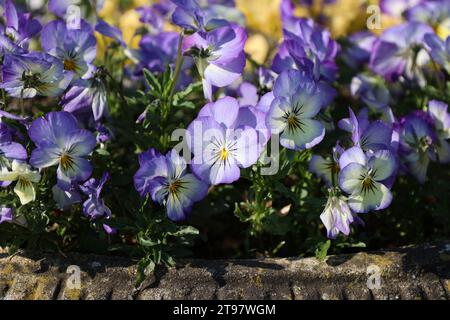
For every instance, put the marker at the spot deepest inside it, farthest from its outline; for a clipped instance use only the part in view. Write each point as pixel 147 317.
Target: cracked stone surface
pixel 415 272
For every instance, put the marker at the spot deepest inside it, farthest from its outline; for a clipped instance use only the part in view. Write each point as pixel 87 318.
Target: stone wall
pixel 421 272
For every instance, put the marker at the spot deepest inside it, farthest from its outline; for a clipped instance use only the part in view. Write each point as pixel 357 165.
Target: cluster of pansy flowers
pixel 64 69
pixel 297 87
pixel 287 99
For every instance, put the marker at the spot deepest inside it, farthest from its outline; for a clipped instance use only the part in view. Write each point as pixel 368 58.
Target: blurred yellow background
pixel 263 20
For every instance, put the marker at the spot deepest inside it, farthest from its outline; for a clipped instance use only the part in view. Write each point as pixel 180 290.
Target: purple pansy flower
pixel 87 96
pixel 327 168
pixel 359 48
pixel 397 7
pixel 7 46
pixel 399 52
pixel 165 179
pixel 75 48
pixel 298 99
pixel 190 16
pixel 94 207
pixel 437 111
pixel 59 141
pixel 109 31
pixel 66 198
pixel 6 215
pixel 368 136
pixel 420 144
pixel 34 74
pixel 307 46
pixel 434 13
pixel 157 51
pixel 337 215
pixel 439 50
pixel 441 118
pixel 60 7
pixel 219 55
pixel 224 138
pixel 10 149
pixel 20 27
pixel 371 90
pixel 363 176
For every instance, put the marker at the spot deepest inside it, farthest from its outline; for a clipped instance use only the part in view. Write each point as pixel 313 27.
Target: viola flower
pixel 75 48
pixel 157 51
pixel 327 169
pixel 307 46
pixel 434 13
pixel 337 215
pixel 87 96
pixel 419 144
pixel 59 141
pixel 441 118
pixel 165 179
pixel 25 177
pixel 372 91
pixel 399 52
pixel 359 48
pixel 109 31
pixel 154 17
pixel 94 207
pixel 437 111
pixel 298 99
pixel 34 74
pixel 364 178
pixel 396 8
pixel 20 27
pixel 218 54
pixel 10 149
pixel 368 136
pixel 439 50
pixel 223 140
pixel 6 215
pixel 7 46
pixel 190 16
pixel 60 7
pixel 65 198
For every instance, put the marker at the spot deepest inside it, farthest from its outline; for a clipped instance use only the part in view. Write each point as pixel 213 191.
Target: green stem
pixel 178 66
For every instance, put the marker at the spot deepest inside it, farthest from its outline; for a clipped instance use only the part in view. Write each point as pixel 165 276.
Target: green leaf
pixel 186 231
pixel 152 81
pixel 322 250
pixel 147 243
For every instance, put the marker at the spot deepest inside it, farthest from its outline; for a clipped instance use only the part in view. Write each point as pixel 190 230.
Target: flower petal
pixel 25 190
pixel 384 164
pixel 350 177
pixel 352 155
pixel 379 198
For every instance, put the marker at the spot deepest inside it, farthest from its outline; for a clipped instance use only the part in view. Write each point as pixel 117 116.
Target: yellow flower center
pixel 66 161
pixel 223 154
pixel 368 184
pixel 293 122
pixel 69 65
pixel 175 186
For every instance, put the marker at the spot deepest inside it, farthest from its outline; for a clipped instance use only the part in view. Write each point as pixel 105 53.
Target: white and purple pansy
pixel 365 178
pixel 225 138
pixel 164 178
pixel 298 100
pixel 60 141
pixel 218 54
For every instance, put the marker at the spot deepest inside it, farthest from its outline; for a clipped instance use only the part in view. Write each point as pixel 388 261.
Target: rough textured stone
pixel 420 272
